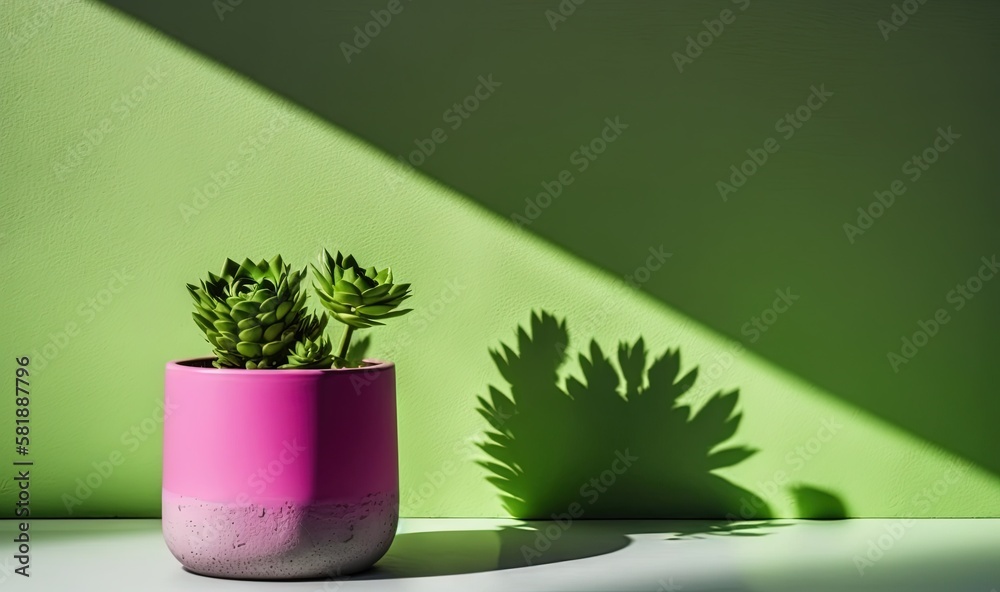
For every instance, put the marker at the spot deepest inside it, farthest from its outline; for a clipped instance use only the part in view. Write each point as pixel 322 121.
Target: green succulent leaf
pixel 372 294
pixel 273 332
pixel 375 310
pixel 249 323
pixel 226 326
pixel 355 295
pixel 254 315
pixel 202 322
pixel 311 354
pixel 251 335
pixel 325 283
pixel 345 286
pixel 245 309
pixel 283 309
pixel 249 349
pixel 270 304
pixel 358 322
pixel 272 348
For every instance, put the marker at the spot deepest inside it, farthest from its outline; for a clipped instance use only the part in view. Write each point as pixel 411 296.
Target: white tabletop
pixel 480 555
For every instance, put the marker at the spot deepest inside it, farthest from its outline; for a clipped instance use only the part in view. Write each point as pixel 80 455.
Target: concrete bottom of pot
pixel 279 541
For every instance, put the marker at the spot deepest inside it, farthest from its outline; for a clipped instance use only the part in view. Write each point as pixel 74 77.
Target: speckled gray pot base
pixel 277 542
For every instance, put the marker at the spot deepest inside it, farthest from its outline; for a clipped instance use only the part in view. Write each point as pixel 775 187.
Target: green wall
pixel 114 135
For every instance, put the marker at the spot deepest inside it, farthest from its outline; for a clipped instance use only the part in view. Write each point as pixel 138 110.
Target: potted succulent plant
pixel 276 465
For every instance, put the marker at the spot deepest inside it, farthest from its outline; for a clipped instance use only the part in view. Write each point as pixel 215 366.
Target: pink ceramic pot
pixel 279 474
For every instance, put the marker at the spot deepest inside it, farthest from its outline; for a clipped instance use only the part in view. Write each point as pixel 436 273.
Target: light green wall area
pixel 101 230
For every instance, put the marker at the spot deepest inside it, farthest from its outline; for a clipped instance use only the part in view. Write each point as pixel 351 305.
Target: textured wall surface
pixel 130 165
pixel 843 150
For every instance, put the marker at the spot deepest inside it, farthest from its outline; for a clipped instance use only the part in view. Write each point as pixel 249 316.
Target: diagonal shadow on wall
pixel 589 128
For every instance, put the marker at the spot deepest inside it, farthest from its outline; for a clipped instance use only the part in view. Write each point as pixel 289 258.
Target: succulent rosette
pixel 254 316
pixel 356 296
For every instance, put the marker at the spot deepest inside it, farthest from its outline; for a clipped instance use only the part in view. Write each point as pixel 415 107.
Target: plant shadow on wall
pixel 617 444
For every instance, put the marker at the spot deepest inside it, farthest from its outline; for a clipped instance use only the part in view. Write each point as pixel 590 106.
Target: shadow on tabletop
pixel 439 553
